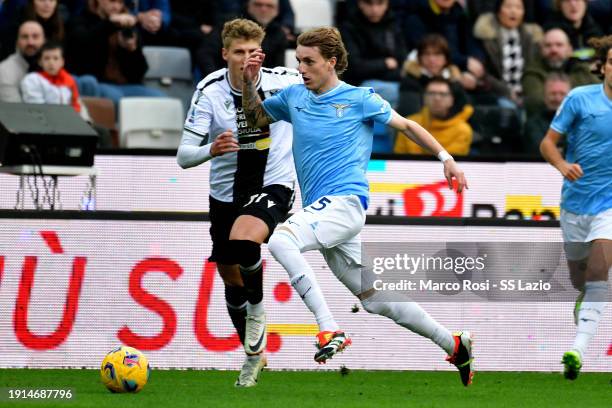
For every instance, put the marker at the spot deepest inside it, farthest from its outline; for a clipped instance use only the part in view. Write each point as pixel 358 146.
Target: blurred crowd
pixel 484 77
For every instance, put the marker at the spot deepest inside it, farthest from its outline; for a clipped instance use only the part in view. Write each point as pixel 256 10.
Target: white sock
pixel 591 309
pixel 256 309
pixel 410 315
pixel 303 279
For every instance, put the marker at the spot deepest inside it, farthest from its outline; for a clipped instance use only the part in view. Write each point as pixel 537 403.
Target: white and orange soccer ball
pixel 125 369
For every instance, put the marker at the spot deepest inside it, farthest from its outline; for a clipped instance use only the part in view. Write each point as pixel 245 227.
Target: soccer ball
pixel 125 369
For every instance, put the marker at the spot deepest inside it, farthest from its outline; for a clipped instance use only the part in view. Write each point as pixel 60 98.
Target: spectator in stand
pixel 510 44
pixel 30 38
pixel 376 49
pixel 556 87
pixel 446 120
pixel 228 10
pixel 104 42
pixel 573 18
pixel 263 12
pixel 601 11
pixel 154 18
pixel 266 14
pixel 192 24
pixel 52 84
pixel 46 12
pixel 433 60
pixel 555 56
pixel 445 17
pixel 536 11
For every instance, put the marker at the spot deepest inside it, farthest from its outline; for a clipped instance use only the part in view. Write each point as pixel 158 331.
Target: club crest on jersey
pixel 340 107
pixel 228 105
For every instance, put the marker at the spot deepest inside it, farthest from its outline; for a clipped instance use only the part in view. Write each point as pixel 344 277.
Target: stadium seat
pixel 290 61
pixel 150 123
pixel 312 13
pixel 102 112
pixel 170 72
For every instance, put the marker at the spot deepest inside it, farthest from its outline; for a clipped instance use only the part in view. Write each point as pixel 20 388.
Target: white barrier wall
pixel 398 187
pixel 71 290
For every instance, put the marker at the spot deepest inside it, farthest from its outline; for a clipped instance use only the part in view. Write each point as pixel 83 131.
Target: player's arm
pixel 195 149
pixel 423 138
pixel 550 152
pixel 251 102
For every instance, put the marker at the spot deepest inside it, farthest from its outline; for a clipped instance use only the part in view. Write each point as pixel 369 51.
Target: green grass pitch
pixel 174 388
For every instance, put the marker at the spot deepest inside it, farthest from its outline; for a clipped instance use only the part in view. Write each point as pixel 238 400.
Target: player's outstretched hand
pixel 252 65
pixel 224 143
pixel 571 171
pixel 451 169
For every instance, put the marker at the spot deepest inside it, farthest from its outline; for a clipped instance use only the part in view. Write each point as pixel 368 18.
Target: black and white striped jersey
pixel 265 153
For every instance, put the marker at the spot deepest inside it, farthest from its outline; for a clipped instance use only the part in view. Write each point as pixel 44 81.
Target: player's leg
pixel 345 261
pixel 592 305
pixel 286 245
pixel 259 215
pixel 222 217
pixel 246 237
pixel 575 230
pixel 326 223
pixel 598 231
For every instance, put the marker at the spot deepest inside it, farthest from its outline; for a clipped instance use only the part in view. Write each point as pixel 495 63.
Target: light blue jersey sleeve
pixel 277 105
pixel 376 108
pixel 566 115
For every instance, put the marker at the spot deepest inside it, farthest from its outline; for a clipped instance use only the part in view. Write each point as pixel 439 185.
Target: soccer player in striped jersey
pixel 252 180
pixel 585 119
pixel 333 130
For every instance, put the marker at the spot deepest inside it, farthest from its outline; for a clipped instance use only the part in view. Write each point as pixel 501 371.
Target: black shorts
pixel 223 215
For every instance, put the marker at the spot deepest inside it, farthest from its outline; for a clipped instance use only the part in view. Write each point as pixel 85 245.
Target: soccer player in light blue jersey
pixel 332 143
pixel 585 119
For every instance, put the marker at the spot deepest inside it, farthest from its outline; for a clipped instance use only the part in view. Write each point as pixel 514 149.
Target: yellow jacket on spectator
pixel 454 133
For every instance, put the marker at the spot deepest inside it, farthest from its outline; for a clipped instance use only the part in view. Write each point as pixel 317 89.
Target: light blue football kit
pixel 585 118
pixel 332 139
pixel 332 143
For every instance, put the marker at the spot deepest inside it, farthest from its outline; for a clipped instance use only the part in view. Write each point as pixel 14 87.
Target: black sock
pixel 235 300
pixel 253 282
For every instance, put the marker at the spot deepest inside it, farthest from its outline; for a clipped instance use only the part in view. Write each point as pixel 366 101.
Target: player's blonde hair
pixel 602 46
pixel 241 29
pixel 329 42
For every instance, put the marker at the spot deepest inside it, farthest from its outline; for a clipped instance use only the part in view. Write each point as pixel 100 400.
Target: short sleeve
pixel 566 115
pixel 200 114
pixel 277 105
pixel 376 108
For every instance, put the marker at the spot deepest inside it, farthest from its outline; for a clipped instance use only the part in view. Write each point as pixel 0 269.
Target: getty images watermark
pixel 474 271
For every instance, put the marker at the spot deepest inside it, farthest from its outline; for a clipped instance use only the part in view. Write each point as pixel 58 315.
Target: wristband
pixel 444 156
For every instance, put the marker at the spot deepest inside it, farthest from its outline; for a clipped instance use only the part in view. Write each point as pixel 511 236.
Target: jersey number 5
pixel 323 201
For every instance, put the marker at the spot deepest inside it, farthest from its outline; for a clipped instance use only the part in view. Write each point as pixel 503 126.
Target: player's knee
pixel 373 304
pixel 246 253
pixel 280 242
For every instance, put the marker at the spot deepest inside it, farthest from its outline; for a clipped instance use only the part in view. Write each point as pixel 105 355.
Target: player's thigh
pixel 335 219
pixel 575 231
pixel 344 260
pixel 600 238
pixel 261 213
